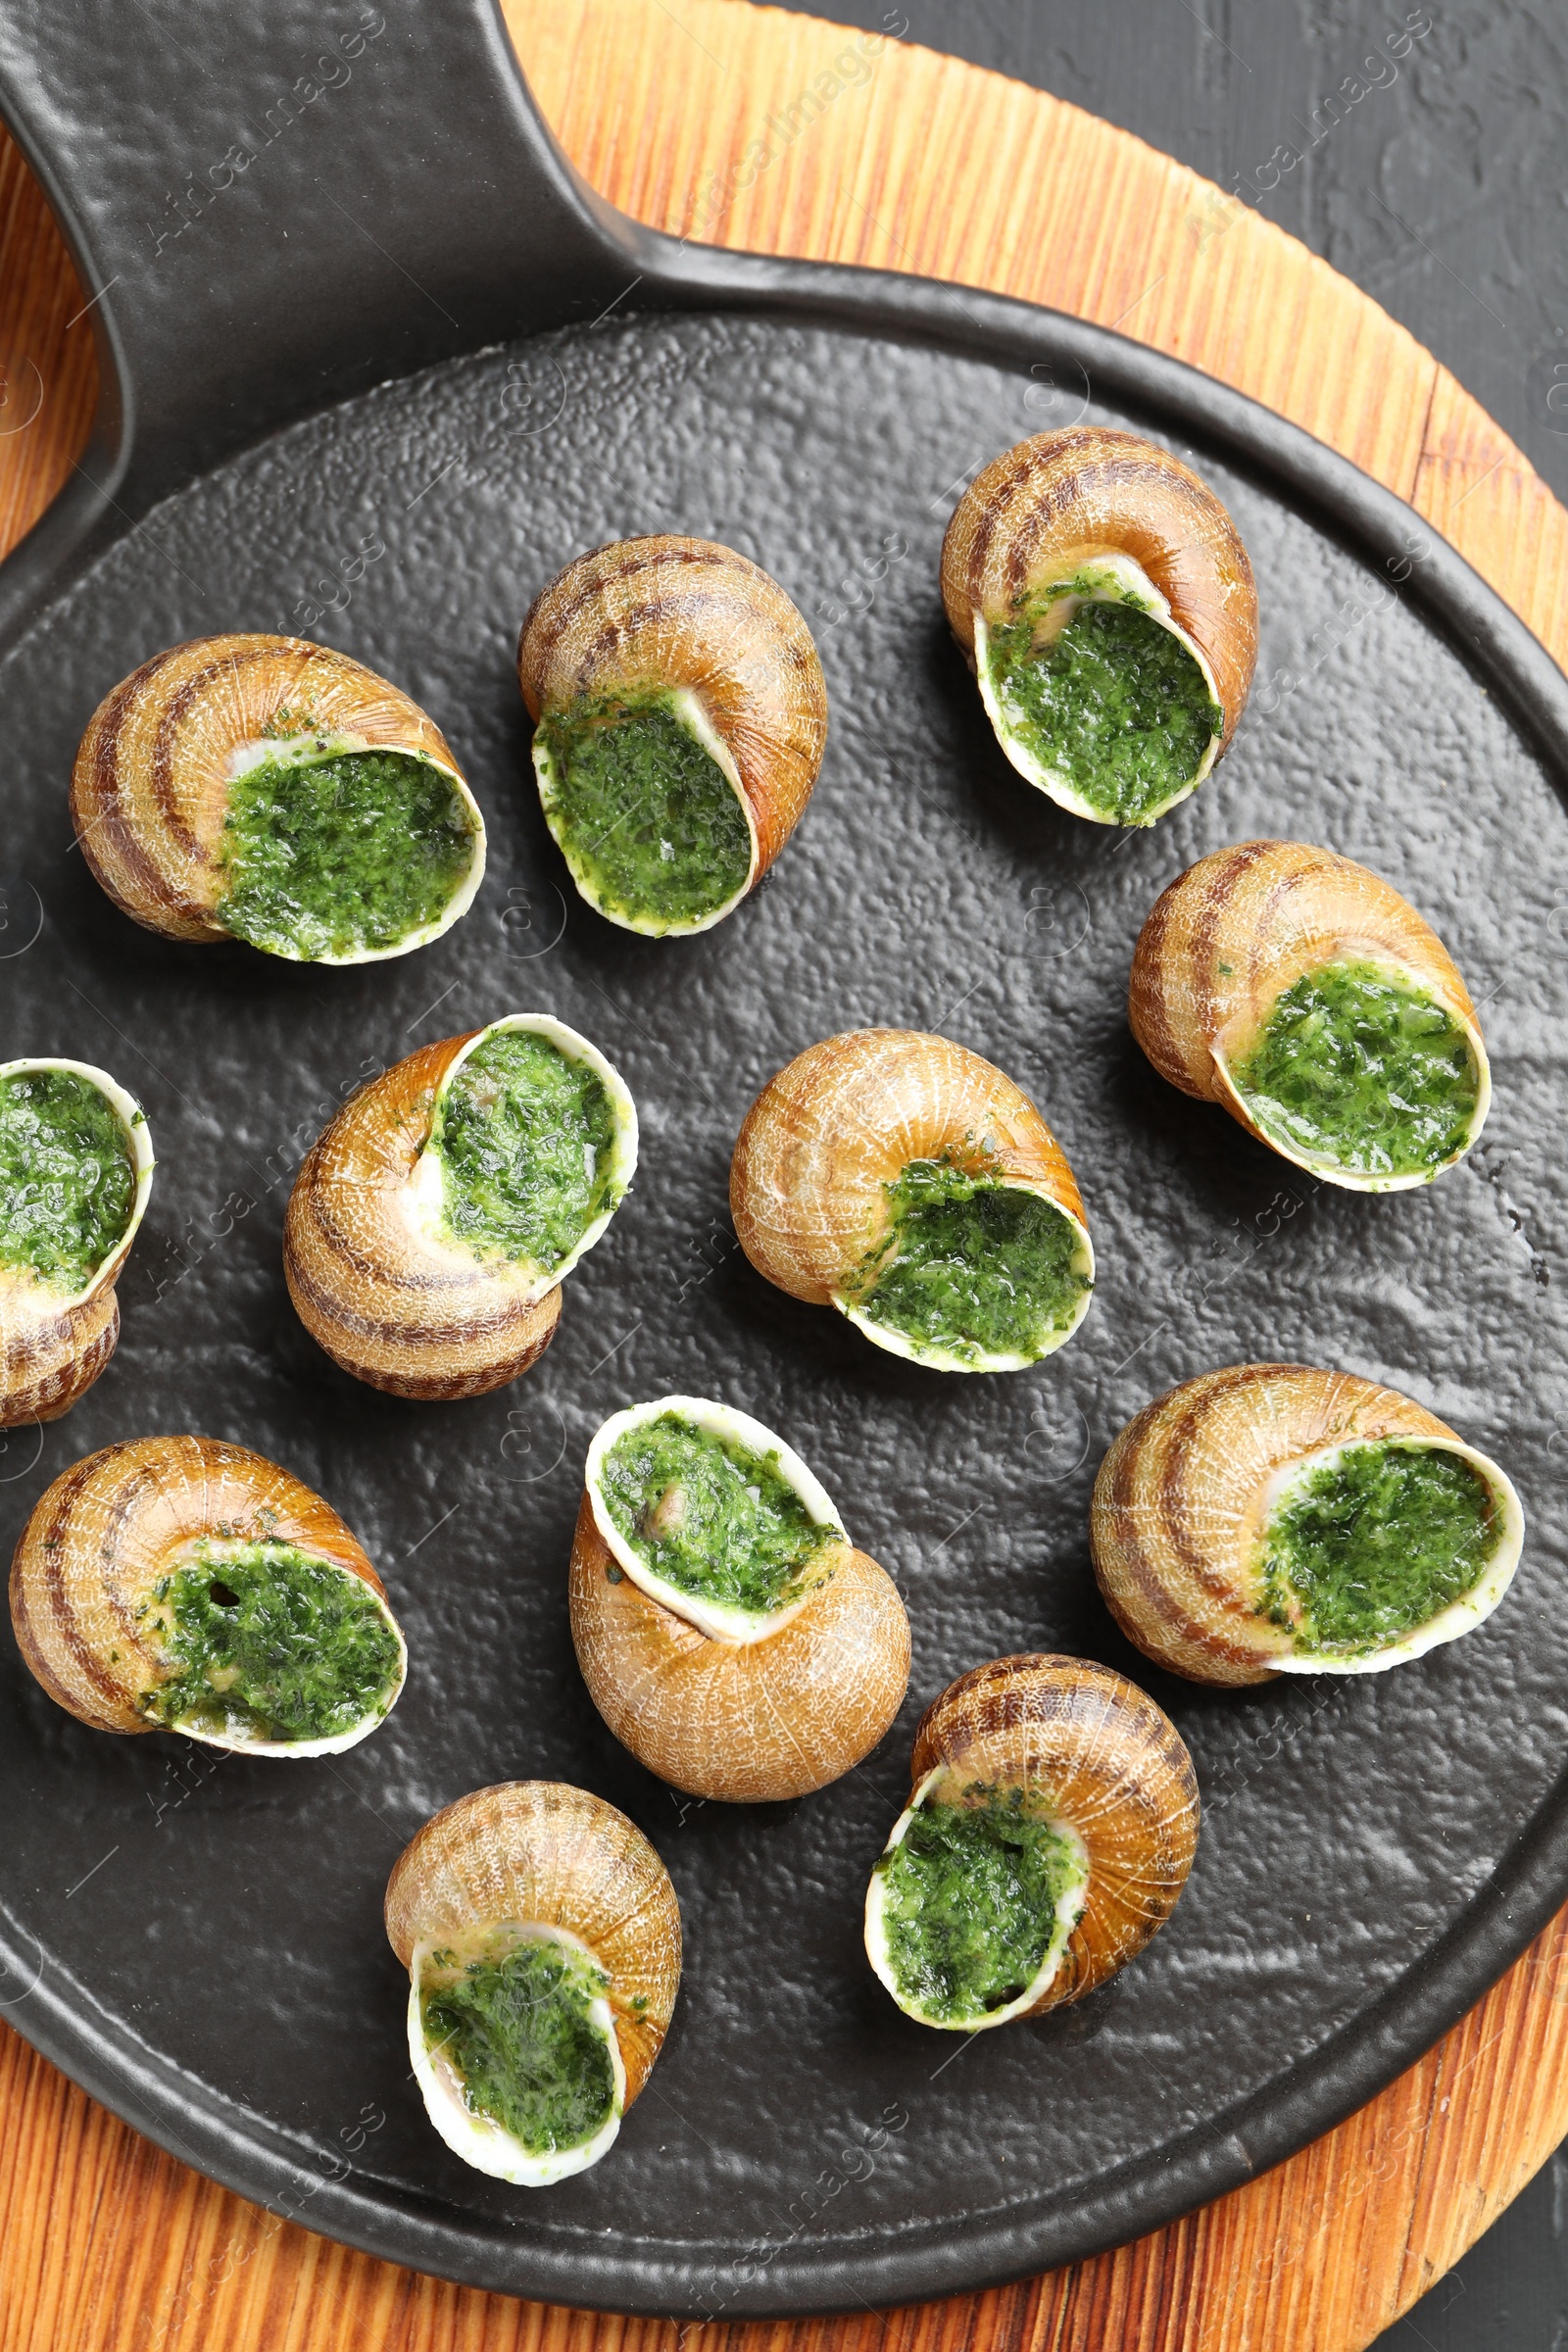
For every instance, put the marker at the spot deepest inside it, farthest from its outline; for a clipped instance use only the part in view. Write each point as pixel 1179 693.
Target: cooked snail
pixel 1050 1830
pixel 434 1220
pixel 729 1634
pixel 270 790
pixel 905 1182
pixel 542 1940
pixel 75 1169
pixel 1101 595
pixel 183 1585
pixel 679 718
pixel 1302 993
pixel 1271 1519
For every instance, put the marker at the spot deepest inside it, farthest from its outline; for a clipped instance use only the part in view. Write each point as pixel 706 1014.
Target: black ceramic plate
pixel 198 1940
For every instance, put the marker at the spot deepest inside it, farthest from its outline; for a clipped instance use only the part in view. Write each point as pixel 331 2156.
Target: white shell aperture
pixel 1460 1616
pixel 1069 1910
pixel 720 1620
pixel 477 2137
pixel 425 1198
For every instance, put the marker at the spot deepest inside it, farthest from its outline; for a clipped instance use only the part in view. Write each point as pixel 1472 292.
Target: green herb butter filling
pixel 265 1641
pixel 517 2033
pixel 341 855
pixel 1114 705
pixel 971 1269
pixel 649 824
pixel 1375 1543
pixel 1366 1070
pixel 975 1898
pixel 709 1516
pixel 68 1179
pixel 526 1140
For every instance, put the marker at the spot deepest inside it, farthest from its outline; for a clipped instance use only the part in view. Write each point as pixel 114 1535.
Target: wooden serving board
pixel 688 113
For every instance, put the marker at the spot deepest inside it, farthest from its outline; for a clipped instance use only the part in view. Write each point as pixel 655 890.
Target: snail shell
pixel 827 1137
pixel 151 786
pixel 109 1529
pixel 1091 1754
pixel 376 1277
pixel 1133 525
pixel 54 1341
pixel 1184 1496
pixel 744 1710
pixel 695 628
pixel 1228 937
pixel 542 1857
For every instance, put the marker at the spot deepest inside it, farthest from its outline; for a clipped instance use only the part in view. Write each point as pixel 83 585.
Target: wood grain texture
pixel 896 157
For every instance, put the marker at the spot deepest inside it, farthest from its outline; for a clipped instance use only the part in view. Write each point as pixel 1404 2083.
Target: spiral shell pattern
pixel 1053 503
pixel 49 1359
pixel 374 1279
pixel 839 1123
pixel 53 1346
pixel 743 1723
pixel 104 1532
pixel 539 1852
pixel 1231 934
pixel 149 791
pixel 1098 1756
pixel 646 616
pixel 1181 1502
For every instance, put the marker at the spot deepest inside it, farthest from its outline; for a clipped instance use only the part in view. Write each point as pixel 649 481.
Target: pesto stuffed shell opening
pixel 1104 599
pixel 679 720
pixel 646 806
pixel 971 1906
pixel 1361 1071
pixel 532 1145
pixel 1266 1519
pixel 542 1940
pixel 906 1181
pixel 1375 1551
pixel 515 2050
pixel 1052 1823
pixel 185 1584
pixel 75 1170
pixel 436 1217
pixel 1304 994
pixel 271 790
pixel 266 1646
pixel 1098 696
pixel 713 1515
pixel 339 850
pixel 972 1272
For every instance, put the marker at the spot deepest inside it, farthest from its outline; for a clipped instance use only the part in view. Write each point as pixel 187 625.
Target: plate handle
pixel 275 202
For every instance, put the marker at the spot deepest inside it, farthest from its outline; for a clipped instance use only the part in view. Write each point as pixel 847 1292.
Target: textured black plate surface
pixel 198 1939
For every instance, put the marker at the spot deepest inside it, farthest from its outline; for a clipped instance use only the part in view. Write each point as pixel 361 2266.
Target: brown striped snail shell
pixel 55 1340
pixel 1228 937
pixel 542 1857
pixel 1086 1751
pixel 828 1136
pixel 1125 522
pixel 105 1534
pixel 690 627
pixel 1184 1496
pixel 150 791
pixel 744 1713
pixel 377 1280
